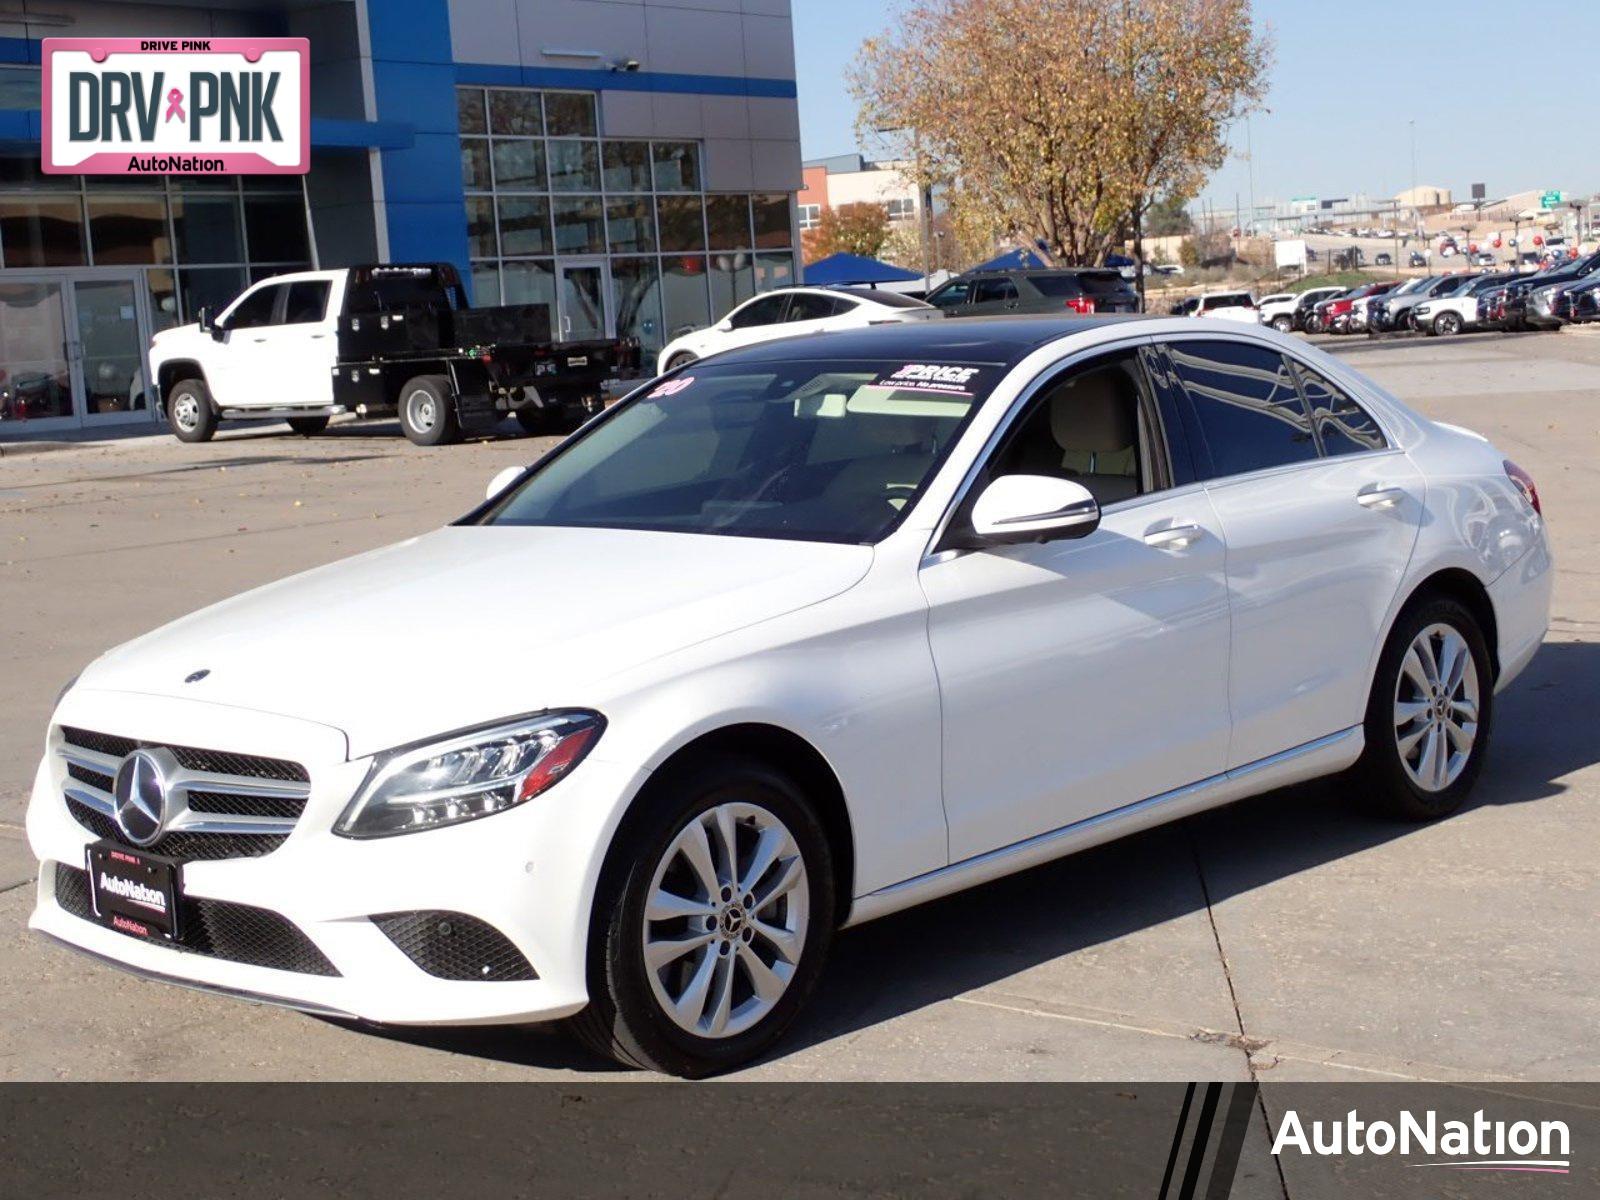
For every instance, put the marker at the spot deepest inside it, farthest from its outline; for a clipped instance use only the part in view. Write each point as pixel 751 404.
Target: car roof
pixel 1000 341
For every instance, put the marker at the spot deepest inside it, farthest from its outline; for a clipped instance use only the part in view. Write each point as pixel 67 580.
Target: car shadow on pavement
pixel 981 937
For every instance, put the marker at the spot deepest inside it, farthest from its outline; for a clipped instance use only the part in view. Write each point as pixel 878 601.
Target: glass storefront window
pixel 275 229
pixel 631 225
pixel 627 166
pixel 570 114
pixel 733 281
pixel 486 284
pixel 519 166
pixel 131 230
pixel 481 240
pixel 470 113
pixel 774 271
pixel 42 232
pixel 475 175
pixel 683 292
pixel 682 223
pixel 163 287
pixel 636 295
pixel 525 281
pixel 20 88
pixel 580 225
pixel 525 225
pixel 677 167
pixel 213 287
pixel 728 222
pixel 574 166
pixel 35 379
pixel 516 112
pixel 208 229
pixel 770 216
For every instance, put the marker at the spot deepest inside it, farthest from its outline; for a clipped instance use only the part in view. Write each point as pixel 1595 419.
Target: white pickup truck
pixel 374 340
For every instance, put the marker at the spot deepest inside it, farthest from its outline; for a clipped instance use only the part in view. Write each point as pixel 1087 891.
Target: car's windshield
pixel 823 450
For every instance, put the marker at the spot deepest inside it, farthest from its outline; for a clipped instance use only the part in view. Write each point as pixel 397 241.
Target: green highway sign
pixel 1550 199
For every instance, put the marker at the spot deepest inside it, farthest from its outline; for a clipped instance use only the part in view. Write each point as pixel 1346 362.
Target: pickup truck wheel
pixel 190 413
pixel 1447 324
pixel 537 421
pixel 427 412
pixel 308 426
pixel 711 922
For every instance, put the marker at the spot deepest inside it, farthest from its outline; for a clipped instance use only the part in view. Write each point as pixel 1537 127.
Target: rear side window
pixel 805 306
pixel 1248 410
pixel 893 299
pixel 1059 287
pixel 1342 424
pixel 989 291
pixel 307 303
pixel 1102 283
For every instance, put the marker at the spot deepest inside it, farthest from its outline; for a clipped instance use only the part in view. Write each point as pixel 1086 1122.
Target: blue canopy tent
pixel 853 268
pixel 1013 260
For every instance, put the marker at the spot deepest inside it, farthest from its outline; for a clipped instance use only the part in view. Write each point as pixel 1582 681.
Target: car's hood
pixel 470 624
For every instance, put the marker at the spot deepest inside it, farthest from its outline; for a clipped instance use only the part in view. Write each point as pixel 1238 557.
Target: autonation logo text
pixel 1476 1145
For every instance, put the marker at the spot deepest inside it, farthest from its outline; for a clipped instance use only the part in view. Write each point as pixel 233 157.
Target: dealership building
pixel 631 163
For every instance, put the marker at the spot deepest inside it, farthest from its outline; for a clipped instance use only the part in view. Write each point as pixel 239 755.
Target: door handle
pixel 258 340
pixel 1173 537
pixel 1379 495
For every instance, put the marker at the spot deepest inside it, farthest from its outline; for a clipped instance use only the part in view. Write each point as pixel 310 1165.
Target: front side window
pixel 1246 404
pixel 822 450
pixel 1343 425
pixel 255 309
pixel 1087 427
pixel 768 310
pixel 952 295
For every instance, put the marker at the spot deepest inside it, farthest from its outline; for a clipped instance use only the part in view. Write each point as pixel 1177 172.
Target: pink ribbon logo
pixel 175 106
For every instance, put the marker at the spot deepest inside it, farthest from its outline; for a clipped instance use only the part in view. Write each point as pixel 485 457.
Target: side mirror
pixel 502 481
pixel 724 326
pixel 1033 508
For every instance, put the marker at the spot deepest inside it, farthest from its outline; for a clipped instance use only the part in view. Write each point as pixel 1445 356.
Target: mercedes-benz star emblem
pixel 140 791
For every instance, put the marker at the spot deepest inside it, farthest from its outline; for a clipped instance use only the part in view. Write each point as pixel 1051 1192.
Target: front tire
pixel 428 411
pixel 1447 324
pixel 681 359
pixel 308 426
pixel 190 412
pixel 1429 715
pixel 1283 324
pixel 711 922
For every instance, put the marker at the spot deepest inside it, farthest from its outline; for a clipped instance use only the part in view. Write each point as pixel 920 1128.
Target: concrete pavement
pixel 1287 937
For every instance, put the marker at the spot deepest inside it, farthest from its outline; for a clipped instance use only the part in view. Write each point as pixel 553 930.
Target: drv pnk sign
pixel 190 106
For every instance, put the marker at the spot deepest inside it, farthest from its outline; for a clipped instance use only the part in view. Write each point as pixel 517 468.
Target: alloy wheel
pixel 725 920
pixel 1436 707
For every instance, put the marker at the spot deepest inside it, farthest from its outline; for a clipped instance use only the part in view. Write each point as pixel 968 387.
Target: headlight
pixel 469 775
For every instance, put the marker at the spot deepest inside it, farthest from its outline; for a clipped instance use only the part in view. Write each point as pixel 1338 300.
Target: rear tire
pixel 701 1011
pixel 190 412
pixel 1283 324
pixel 682 360
pixel 1430 714
pixel 308 426
pixel 428 411
pixel 536 421
pixel 1447 324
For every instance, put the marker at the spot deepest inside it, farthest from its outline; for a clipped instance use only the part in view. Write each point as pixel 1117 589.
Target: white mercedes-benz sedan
pixel 782 643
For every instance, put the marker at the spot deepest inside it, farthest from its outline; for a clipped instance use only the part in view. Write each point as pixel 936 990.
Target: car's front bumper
pixel 529 873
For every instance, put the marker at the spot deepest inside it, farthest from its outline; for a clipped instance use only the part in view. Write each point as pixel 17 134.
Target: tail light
pixel 1083 305
pixel 1525 485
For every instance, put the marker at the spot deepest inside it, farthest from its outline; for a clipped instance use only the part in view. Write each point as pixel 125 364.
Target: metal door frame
pixel 583 262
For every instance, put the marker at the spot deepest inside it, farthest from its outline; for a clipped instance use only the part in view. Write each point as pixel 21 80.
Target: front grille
pixel 449 945
pixel 211 786
pixel 238 933
pixel 190 847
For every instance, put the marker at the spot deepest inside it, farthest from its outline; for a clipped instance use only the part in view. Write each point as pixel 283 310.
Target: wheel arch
pixel 170 374
pixel 1463 586
pixel 784 750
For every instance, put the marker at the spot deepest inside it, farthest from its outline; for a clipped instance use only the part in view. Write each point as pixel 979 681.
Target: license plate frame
pixel 133 892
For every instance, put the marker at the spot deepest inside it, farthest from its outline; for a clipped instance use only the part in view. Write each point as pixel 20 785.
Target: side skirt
pixel 1324 756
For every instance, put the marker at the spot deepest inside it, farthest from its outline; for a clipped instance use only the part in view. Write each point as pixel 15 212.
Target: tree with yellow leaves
pixel 1065 119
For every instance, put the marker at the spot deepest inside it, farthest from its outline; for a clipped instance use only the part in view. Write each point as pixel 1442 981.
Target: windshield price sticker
pixel 944 379
pixel 193 106
pixel 671 387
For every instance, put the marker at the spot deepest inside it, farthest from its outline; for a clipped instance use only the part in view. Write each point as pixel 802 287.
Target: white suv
pixel 1228 306
pixel 791 312
pixel 813 632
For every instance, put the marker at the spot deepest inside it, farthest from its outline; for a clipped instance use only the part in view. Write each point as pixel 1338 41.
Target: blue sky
pixel 1346 80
